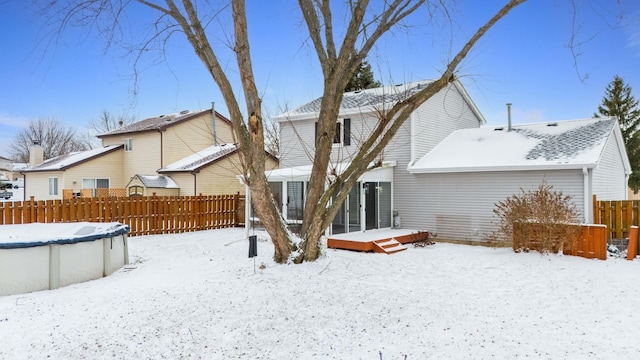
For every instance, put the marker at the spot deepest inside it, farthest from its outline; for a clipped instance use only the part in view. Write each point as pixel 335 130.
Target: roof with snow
pixel 19 166
pixel 369 100
pixel 64 162
pixel 554 145
pixel 157 181
pixel 160 123
pixel 201 159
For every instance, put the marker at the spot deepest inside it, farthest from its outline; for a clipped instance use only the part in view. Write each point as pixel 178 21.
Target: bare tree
pixel 55 138
pixel 339 57
pixel 107 122
pixel 272 137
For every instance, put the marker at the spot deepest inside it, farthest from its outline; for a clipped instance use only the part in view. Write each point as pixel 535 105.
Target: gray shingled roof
pixel 567 144
pixel 368 97
pixel 570 144
pixel 155 123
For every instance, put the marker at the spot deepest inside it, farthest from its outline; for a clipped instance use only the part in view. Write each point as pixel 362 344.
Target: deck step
pixel 388 246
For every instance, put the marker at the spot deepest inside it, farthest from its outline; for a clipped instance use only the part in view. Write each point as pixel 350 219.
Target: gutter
pixel 470 169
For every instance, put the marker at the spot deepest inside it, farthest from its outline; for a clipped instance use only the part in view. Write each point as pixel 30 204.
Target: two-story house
pixel 188 153
pixel 443 172
pixel 384 192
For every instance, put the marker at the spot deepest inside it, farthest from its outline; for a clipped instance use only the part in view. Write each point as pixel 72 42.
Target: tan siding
pixel 144 158
pixel 183 139
pixel 108 166
pixel 162 192
pixel 37 185
pixel 185 182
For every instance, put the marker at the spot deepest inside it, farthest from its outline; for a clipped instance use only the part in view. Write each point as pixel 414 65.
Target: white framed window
pixel 128 144
pixel 343 133
pixel 53 186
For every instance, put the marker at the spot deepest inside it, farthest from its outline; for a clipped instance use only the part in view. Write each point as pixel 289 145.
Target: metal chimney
pixel 509 116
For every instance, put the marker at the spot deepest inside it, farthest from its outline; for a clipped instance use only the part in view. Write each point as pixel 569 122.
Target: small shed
pixel 148 185
pixel 469 172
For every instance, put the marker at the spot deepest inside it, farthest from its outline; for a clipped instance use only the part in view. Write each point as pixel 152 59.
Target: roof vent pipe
pixel 509 116
pixel 213 119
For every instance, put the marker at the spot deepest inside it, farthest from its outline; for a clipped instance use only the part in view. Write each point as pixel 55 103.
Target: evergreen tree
pixel 362 78
pixel 618 101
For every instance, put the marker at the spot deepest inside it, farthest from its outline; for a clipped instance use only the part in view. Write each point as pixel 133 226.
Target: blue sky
pixel 523 60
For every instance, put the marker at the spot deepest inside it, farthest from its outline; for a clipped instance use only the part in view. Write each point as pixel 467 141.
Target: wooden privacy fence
pixel 618 215
pixel 145 215
pixel 590 242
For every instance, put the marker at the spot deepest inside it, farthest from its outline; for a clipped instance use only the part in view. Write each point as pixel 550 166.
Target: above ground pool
pixel 48 256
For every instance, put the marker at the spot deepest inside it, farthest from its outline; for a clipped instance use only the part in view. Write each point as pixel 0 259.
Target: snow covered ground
pixel 196 296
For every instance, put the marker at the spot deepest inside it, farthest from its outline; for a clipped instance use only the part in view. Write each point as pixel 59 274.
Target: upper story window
pixel 128 144
pixel 343 132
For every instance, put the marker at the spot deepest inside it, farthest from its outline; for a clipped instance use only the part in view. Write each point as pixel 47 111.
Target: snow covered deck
pixel 381 240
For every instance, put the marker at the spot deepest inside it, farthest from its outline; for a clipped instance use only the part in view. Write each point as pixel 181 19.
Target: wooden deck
pixel 386 241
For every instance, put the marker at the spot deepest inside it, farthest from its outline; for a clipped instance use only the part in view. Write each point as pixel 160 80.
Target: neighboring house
pixel 74 173
pixel 154 143
pixel 386 190
pixel 5 169
pixel 145 158
pixel 462 178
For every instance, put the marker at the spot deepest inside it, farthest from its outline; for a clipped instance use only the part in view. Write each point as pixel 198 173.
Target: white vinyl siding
pixel 609 180
pixel 297 143
pixel 438 117
pixel 459 206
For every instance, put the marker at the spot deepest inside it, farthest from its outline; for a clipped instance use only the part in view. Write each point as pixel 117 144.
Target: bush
pixel 541 219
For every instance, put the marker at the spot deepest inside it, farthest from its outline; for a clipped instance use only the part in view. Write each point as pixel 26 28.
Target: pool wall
pixel 49 265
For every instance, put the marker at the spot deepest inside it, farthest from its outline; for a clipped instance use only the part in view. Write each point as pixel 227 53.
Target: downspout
pixel 195 183
pixel 625 186
pixel 585 175
pixel 213 121
pixel 413 140
pixel 161 150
